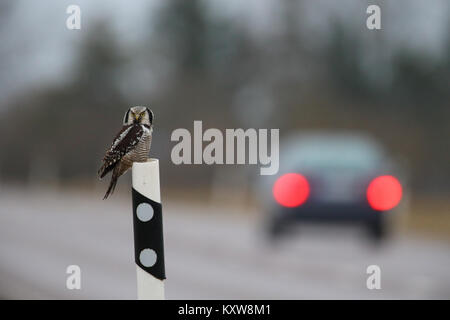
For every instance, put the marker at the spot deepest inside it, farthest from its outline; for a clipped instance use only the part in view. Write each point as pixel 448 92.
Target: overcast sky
pixel 38 47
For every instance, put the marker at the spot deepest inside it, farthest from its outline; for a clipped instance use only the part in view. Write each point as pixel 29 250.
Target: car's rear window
pixel 351 154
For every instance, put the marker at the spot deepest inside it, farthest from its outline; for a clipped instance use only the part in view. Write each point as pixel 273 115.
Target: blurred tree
pixel 208 57
pixel 182 31
pixel 6 51
pixel 343 60
pixel 59 123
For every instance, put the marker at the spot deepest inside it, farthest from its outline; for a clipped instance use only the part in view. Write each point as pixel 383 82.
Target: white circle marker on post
pixel 148 231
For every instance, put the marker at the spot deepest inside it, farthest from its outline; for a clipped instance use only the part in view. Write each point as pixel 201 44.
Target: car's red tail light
pixel 291 190
pixel 384 193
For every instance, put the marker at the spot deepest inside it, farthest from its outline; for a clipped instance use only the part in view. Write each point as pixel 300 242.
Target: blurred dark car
pixel 333 177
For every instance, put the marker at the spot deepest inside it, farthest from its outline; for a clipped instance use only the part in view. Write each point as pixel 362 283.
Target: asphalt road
pixel 211 253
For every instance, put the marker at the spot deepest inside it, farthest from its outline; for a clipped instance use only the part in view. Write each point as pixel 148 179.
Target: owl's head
pixel 138 114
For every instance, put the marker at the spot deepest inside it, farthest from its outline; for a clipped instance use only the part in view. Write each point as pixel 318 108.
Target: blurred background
pixel 310 68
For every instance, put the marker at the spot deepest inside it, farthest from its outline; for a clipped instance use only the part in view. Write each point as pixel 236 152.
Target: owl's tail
pixel 105 168
pixel 112 184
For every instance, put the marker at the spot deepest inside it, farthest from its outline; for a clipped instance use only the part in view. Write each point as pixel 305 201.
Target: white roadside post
pixel 148 230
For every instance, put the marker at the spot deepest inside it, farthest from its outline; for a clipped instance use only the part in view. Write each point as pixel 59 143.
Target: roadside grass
pixel 430 217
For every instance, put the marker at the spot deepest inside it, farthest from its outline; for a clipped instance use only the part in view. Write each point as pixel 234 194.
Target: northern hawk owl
pixel 131 144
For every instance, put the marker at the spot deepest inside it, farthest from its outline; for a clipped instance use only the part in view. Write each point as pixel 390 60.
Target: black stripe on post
pixel 148 235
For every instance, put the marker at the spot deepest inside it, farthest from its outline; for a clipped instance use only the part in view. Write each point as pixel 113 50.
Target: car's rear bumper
pixel 332 212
